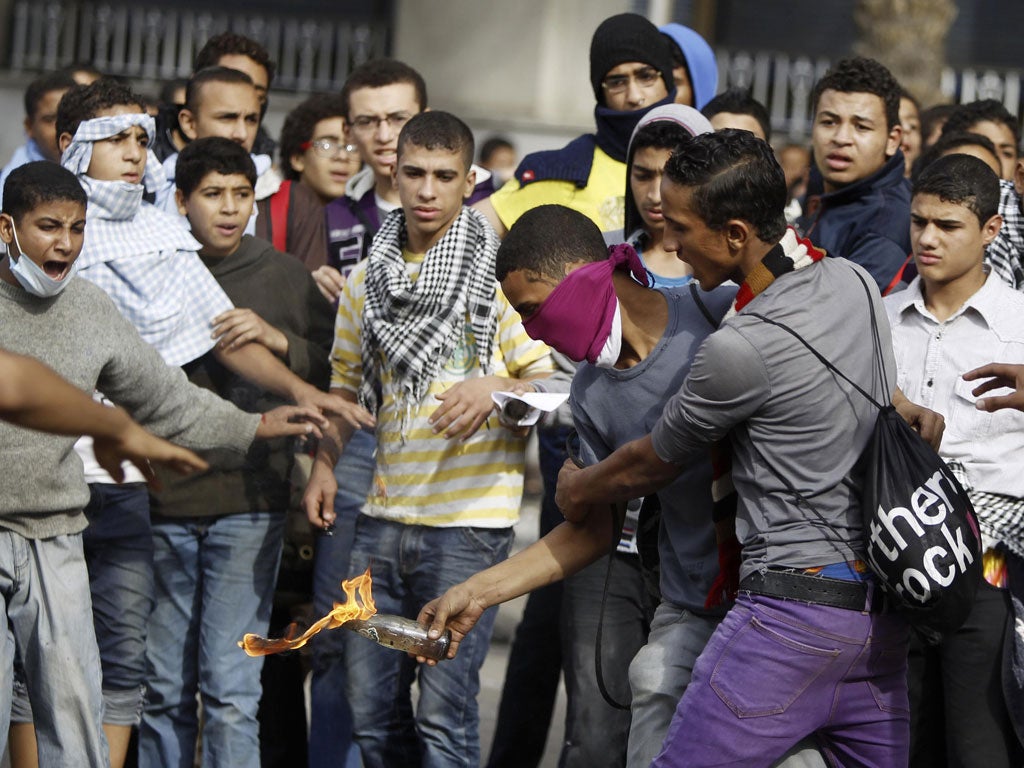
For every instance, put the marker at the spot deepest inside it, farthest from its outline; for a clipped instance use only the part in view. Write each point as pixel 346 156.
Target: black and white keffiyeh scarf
pixel 414 326
pixel 1000 517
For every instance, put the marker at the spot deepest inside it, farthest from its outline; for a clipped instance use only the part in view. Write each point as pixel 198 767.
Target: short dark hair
pixel 438 130
pixel 299 125
pixel 84 102
pixel 546 239
pixel 211 75
pixel 33 184
pixel 42 85
pixel 228 43
pixel 964 117
pixel 962 180
pixel 169 87
pixel 82 66
pixel 732 174
pixel 905 94
pixel 658 134
pixel 377 73
pixel 933 116
pixel 492 145
pixel 950 141
pixel 739 101
pixel 213 154
pixel 862 75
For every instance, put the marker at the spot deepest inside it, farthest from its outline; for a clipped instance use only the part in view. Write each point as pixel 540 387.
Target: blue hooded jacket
pixel 700 60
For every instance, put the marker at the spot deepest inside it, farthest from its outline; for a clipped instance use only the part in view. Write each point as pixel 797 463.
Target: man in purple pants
pixel 806 650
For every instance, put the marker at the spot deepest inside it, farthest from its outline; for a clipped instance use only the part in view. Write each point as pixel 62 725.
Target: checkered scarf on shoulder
pixel 1000 517
pixel 414 326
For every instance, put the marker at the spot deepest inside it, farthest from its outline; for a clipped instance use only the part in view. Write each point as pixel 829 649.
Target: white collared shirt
pixel 932 356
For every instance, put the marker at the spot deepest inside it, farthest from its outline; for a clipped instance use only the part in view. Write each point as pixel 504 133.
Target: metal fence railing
pixel 143 41
pixel 784 83
pixel 316 52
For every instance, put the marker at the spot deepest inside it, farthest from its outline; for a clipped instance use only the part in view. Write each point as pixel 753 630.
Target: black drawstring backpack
pixel 921 534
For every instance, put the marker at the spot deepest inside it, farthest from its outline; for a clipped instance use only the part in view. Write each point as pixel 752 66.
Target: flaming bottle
pixel 401 634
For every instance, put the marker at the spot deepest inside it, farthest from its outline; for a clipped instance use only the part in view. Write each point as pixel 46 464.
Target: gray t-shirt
pixel 612 407
pixel 785 408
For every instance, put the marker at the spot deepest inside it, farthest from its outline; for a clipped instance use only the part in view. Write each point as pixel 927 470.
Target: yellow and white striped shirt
pixel 430 479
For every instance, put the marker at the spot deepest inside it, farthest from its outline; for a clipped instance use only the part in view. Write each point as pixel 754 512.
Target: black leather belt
pixel 820 590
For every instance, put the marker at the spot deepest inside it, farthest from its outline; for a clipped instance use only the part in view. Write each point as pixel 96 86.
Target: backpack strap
pixel 828 363
pixel 572 451
pixel 701 305
pixel 880 365
pixel 279 205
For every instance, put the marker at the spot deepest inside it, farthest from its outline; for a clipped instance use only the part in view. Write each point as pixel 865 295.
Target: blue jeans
pixel 214 582
pixel 44 594
pixel 776 671
pixel 413 564
pixel 119 555
pixel 330 725
pixel 535 658
pixel 595 732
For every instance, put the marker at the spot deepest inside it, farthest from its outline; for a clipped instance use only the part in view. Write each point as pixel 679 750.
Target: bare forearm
pixel 632 471
pixel 567 549
pixel 257 364
pixel 337 434
pixel 33 395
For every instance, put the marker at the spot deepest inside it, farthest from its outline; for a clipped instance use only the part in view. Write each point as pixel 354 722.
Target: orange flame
pixel 363 608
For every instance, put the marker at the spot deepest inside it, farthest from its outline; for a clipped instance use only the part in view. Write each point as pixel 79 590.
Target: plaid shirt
pixel 1006 252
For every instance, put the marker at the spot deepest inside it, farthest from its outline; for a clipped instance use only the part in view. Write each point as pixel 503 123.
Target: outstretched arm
pixel 561 553
pixel 33 396
pixel 257 364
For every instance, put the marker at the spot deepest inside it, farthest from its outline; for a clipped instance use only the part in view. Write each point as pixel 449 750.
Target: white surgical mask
pixel 32 277
pixel 613 346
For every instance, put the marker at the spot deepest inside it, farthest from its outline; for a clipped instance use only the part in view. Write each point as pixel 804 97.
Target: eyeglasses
pixel 370 123
pixel 645 78
pixel 328 147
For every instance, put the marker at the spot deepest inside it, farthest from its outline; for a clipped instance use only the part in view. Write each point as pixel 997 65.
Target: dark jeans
pixel 958 711
pixel 595 732
pixel 413 564
pixel 330 727
pixel 118 546
pixel 535 658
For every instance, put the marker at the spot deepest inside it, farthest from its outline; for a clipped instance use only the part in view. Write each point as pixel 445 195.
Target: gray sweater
pixel 82 336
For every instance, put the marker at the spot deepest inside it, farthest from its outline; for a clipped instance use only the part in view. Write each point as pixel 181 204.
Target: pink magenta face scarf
pixel 576 318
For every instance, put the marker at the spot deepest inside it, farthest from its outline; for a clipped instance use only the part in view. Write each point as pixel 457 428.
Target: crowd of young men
pixel 373 289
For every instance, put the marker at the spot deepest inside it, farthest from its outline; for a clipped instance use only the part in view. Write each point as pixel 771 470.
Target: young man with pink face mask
pixel 635 345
